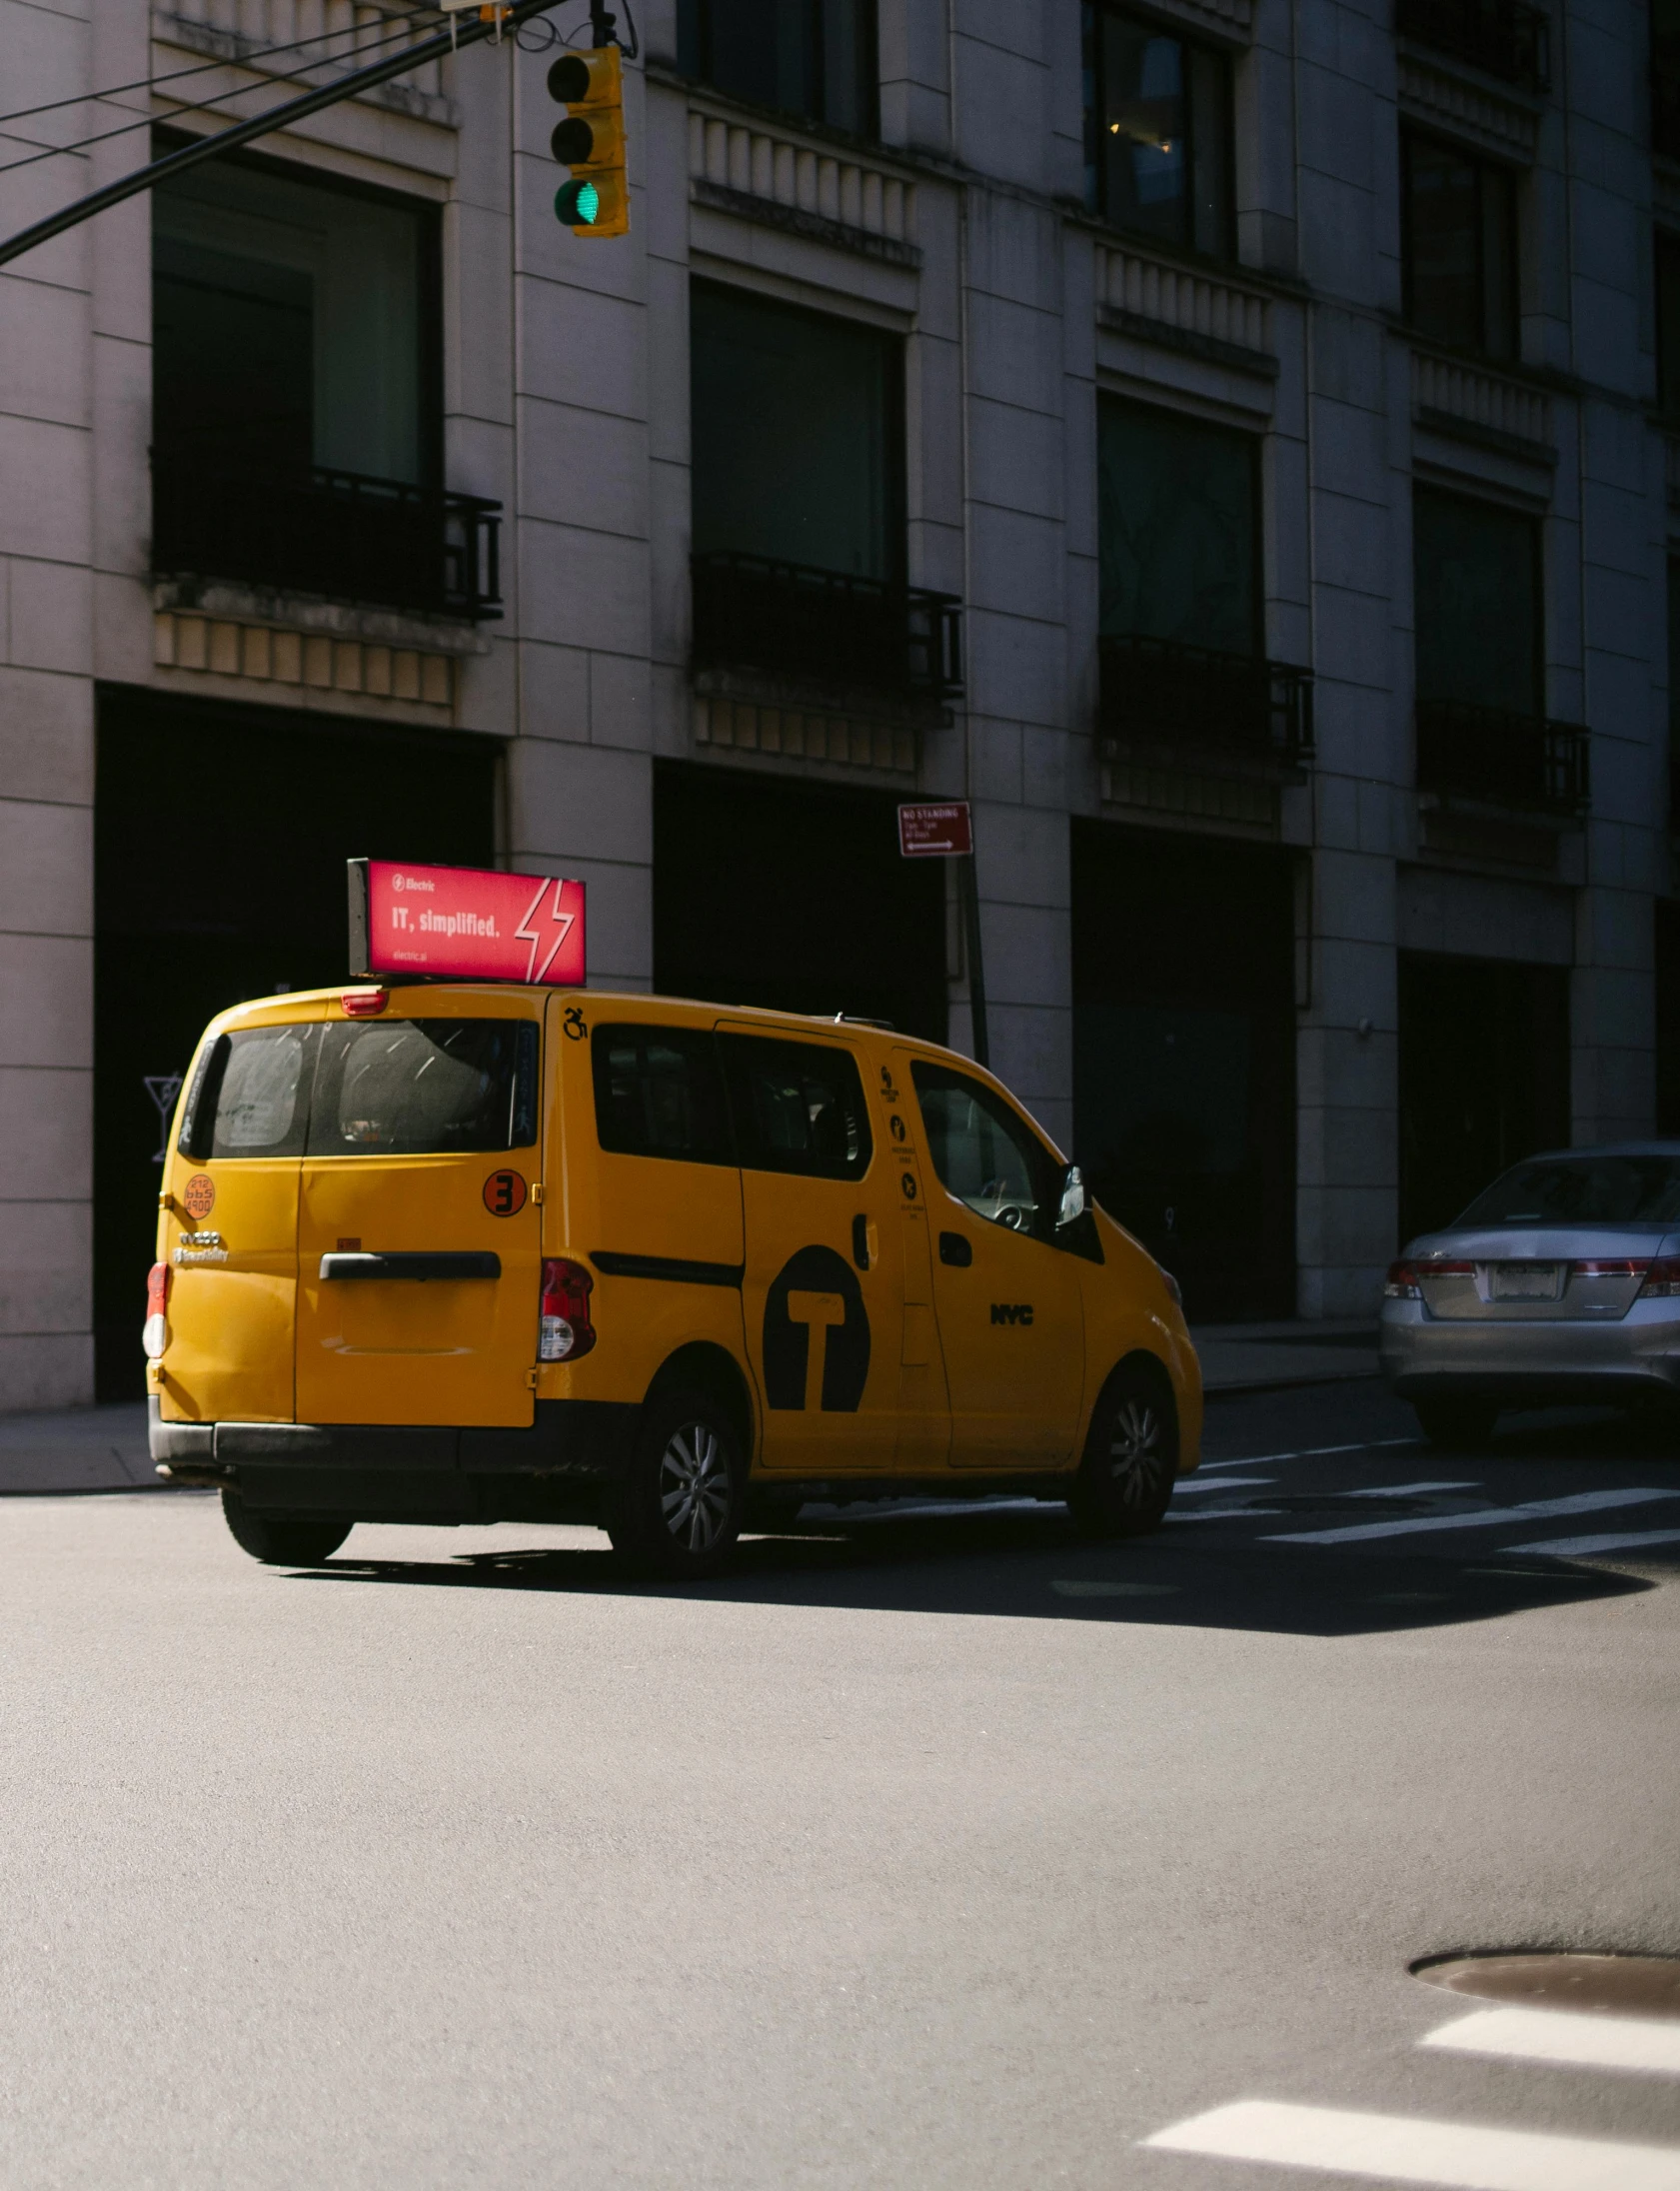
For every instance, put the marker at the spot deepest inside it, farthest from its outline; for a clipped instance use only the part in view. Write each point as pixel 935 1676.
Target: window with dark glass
pixel 659 1092
pixel 294 324
pixel 421 1087
pixel 1158 132
pixel 1458 234
pixel 249 1095
pixel 1665 77
pixel 1477 602
pixel 797 435
pixel 1177 528
pixel 798 1108
pixel 815 58
pixel 985 1155
pixel 1668 323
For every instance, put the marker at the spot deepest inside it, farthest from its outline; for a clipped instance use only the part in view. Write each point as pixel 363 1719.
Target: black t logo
pixel 815 1294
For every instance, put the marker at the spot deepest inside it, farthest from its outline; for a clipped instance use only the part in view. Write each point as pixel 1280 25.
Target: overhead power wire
pixel 170 76
pixel 498 21
pixel 181 107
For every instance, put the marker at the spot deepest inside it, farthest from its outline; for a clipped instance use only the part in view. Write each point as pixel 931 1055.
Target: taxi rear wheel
pixel 284 1540
pixel 679 1507
pixel 1132 1459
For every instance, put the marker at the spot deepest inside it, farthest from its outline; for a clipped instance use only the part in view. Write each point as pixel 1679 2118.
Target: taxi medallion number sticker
pixel 199 1194
pixel 505 1194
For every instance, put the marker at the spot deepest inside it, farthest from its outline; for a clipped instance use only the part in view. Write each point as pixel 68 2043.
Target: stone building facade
pixel 1222 439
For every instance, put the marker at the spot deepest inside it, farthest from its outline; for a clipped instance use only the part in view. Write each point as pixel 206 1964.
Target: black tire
pixel 1459 1424
pixel 680 1504
pixel 1131 1457
pixel 284 1539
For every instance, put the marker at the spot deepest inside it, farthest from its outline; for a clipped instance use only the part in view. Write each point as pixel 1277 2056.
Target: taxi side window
pixel 985 1155
pixel 659 1092
pixel 798 1107
pixel 250 1098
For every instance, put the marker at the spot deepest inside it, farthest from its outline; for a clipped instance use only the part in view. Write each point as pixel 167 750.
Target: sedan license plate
pixel 1533 1281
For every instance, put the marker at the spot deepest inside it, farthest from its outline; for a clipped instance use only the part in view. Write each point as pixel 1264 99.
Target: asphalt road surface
pixel 940 1850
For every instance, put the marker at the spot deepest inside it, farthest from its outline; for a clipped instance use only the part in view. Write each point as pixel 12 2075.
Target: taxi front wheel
pixel 678 1508
pixel 1132 1459
pixel 282 1541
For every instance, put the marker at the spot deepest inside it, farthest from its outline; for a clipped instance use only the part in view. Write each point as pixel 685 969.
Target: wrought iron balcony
pixel 1157 692
pixel 787 619
pixel 374 542
pixel 1502 757
pixel 1507 38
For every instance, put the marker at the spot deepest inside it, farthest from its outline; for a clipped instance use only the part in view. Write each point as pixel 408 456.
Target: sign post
pixel 465 924
pixel 947 832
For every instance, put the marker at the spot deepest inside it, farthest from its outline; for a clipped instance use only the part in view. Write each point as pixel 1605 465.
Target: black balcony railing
pixel 1505 37
pixel 1158 693
pixel 1665 106
pixel 820 627
pixel 375 542
pixel 1502 757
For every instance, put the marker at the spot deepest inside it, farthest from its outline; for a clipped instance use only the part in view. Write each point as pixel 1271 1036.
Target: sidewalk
pixel 104 1448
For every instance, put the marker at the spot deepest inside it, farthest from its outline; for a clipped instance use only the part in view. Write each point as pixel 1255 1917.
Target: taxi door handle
pixel 861 1241
pixel 956 1248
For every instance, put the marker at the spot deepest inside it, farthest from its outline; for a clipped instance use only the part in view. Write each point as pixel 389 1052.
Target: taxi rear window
pixel 424 1087
pixel 405 1087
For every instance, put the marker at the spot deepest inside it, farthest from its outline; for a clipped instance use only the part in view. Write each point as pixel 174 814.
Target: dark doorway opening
pixel 793 895
pixel 1184 1058
pixel 219 838
pixel 1484 1077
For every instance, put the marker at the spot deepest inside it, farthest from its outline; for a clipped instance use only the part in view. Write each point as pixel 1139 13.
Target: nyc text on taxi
pixel 464 1252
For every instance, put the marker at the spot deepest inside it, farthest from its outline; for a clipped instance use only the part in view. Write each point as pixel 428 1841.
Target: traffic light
pixel 590 142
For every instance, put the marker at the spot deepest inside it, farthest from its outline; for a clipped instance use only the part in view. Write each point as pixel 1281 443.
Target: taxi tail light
pixel 1662 1281
pixel 155 1336
pixel 564 1329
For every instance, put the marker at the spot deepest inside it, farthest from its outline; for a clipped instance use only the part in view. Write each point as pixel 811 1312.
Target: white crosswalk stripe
pixel 1412 2149
pixel 1576 1547
pixel 1539 1510
pixel 1641 2044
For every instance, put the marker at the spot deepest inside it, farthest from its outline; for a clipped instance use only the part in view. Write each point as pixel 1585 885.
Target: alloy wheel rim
pixel 694 1487
pixel 1135 1452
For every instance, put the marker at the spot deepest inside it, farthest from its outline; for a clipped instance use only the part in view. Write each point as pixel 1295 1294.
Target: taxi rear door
pixel 822 1289
pixel 230 1223
pixel 417 1223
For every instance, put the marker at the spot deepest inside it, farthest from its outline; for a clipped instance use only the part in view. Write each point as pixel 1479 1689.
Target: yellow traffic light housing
pixel 590 142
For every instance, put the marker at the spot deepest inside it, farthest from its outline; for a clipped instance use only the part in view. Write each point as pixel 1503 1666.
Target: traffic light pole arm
pixel 262 125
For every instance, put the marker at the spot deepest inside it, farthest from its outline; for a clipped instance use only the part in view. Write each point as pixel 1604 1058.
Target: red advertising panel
pixel 935 829
pixel 469 924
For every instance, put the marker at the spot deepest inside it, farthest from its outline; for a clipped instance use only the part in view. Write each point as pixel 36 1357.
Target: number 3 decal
pixel 504 1194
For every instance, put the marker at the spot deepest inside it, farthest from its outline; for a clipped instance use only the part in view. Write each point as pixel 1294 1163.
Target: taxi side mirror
pixel 1073 1202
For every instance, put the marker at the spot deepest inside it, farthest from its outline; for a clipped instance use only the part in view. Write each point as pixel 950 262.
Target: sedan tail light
pixel 1662 1279
pixel 564 1329
pixel 154 1337
pixel 1403 1280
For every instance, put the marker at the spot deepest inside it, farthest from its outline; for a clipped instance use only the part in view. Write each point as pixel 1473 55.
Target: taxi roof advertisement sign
pixel 465 924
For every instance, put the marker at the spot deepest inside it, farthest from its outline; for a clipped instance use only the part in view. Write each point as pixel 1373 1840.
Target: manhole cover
pixel 1609 1985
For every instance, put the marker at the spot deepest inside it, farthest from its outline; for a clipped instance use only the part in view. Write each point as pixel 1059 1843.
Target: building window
pixel 1668 324
pixel 1459 236
pixel 1158 132
pixel 1477 602
pixel 297 412
pixel 1665 77
pixel 294 324
pixel 1179 529
pixel 815 58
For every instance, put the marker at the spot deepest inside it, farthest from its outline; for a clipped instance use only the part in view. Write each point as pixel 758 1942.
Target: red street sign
pixel 471 923
pixel 925 829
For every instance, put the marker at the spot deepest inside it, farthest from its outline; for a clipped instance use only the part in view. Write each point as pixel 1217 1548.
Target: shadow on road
pixel 1033 1566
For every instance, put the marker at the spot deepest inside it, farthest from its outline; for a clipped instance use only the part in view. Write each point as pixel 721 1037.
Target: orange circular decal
pixel 200 1194
pixel 504 1194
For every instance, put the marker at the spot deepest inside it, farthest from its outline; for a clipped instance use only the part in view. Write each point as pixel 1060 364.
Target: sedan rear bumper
pixel 1546 1361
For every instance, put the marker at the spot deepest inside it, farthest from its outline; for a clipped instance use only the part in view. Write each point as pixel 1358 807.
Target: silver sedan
pixel 1560 1283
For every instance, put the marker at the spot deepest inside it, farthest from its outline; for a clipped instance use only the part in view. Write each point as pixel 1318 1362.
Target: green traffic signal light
pixel 578 204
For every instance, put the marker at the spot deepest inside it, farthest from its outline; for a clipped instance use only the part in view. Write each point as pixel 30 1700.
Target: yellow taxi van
pixel 468 1252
